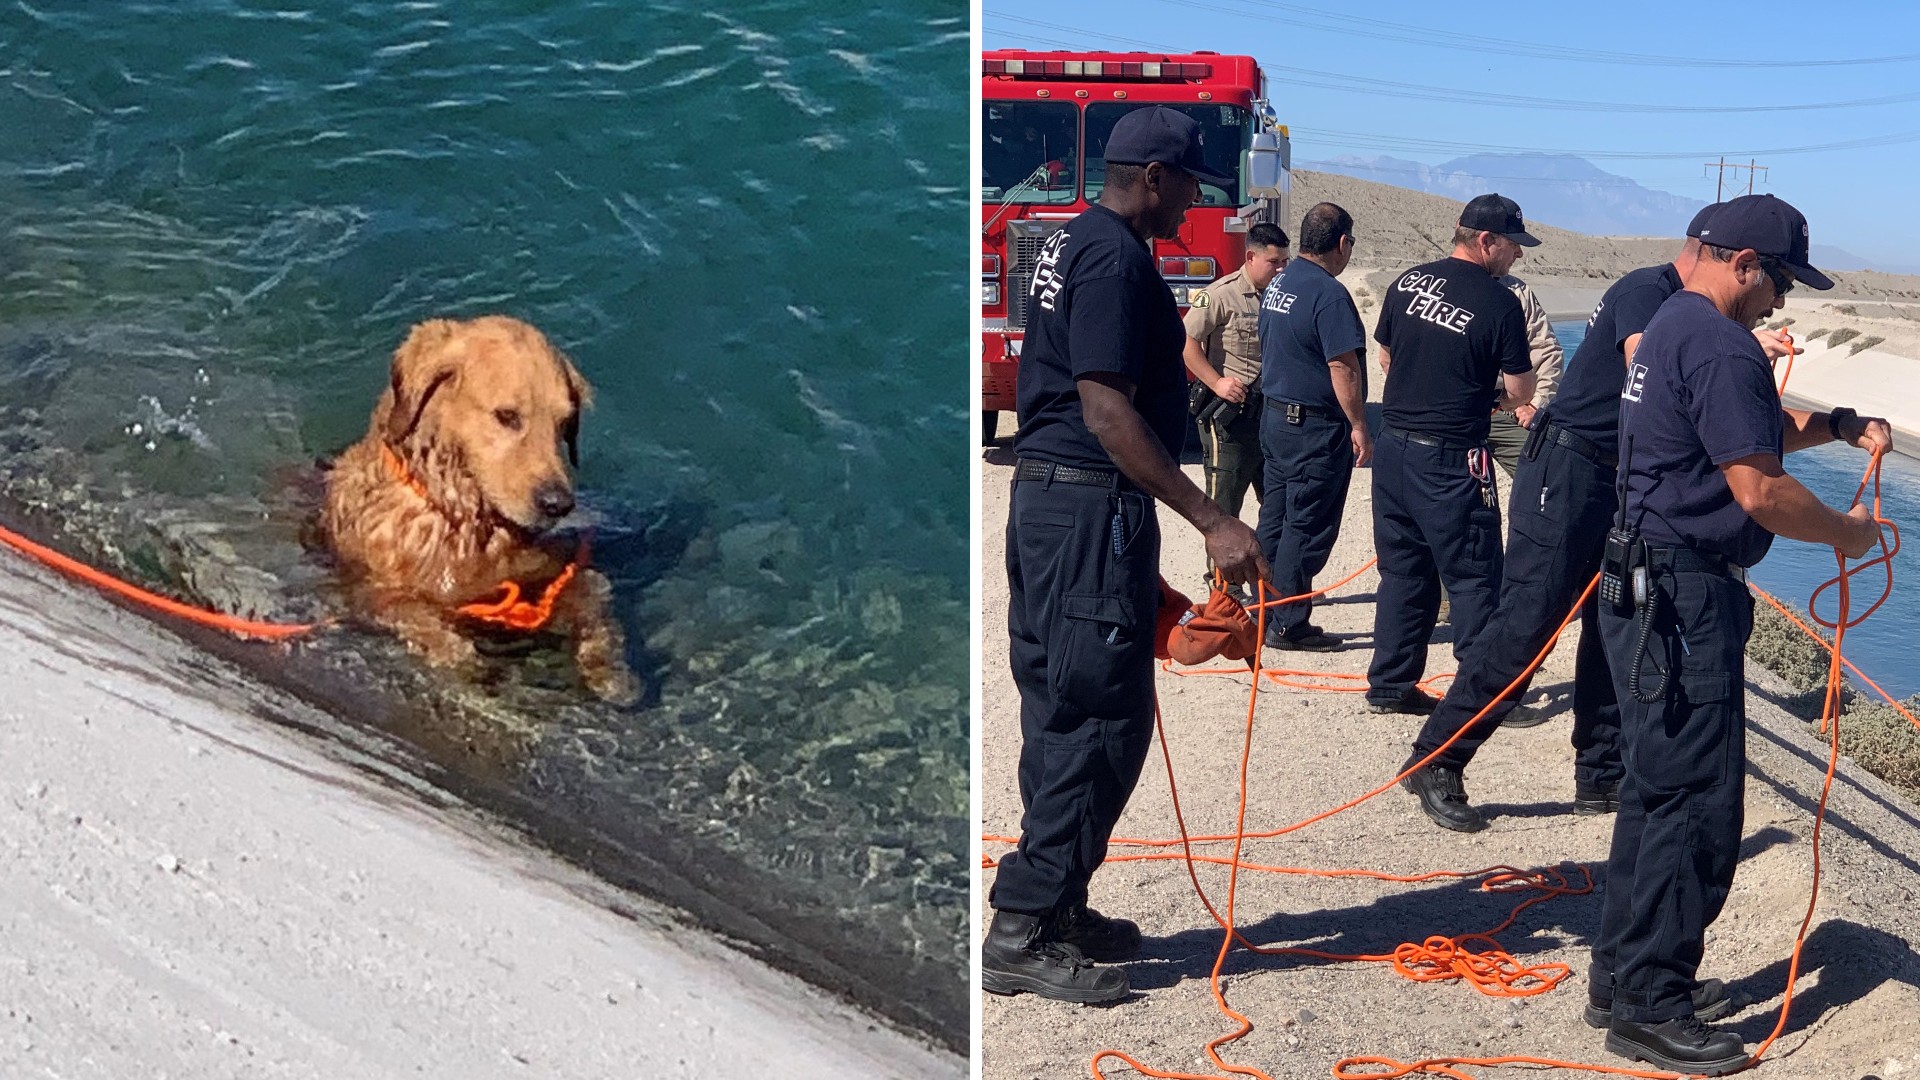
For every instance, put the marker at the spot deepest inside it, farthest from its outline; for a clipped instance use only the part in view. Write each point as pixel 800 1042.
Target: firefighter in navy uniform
pixel 1102 399
pixel 1447 330
pixel 1313 349
pixel 1702 433
pixel 1563 502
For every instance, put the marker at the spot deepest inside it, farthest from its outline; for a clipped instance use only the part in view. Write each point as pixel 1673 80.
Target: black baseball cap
pixel 1497 214
pixel 1699 222
pixel 1770 226
pixel 1168 136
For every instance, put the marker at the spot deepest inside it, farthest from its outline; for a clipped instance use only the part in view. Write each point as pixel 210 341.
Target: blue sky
pixel 1394 77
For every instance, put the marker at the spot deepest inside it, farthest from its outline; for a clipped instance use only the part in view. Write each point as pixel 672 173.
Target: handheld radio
pixel 1622 581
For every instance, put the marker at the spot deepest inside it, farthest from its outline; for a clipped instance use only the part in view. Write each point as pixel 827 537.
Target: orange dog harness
pixel 509 611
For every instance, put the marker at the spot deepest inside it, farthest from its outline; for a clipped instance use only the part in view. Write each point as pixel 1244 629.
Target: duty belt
pixel 1045 471
pixel 1579 444
pixel 1425 439
pixel 1695 560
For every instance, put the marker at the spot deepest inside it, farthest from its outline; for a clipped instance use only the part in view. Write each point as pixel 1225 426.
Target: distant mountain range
pixel 1563 190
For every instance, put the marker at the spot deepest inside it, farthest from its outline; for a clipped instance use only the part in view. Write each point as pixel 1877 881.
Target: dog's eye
pixel 509 418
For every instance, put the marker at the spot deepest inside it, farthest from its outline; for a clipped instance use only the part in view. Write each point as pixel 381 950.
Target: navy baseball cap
pixel 1699 222
pixel 1168 136
pixel 1497 214
pixel 1770 226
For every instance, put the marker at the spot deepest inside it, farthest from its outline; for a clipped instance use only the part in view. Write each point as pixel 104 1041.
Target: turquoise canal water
pixel 1883 645
pixel 742 222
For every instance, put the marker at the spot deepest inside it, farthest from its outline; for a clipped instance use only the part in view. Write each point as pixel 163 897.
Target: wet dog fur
pixel 465 465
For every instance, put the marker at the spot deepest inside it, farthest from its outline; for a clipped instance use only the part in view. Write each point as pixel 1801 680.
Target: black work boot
pixel 1442 795
pixel 1415 701
pixel 1592 801
pixel 1710 1002
pixel 1303 638
pixel 1683 1044
pixel 1525 716
pixel 1019 955
pixel 1103 940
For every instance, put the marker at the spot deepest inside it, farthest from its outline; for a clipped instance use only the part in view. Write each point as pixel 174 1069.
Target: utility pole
pixel 1720 174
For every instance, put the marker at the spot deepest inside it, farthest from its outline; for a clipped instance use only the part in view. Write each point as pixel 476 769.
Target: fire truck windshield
pixel 1032 152
pixel 1227 132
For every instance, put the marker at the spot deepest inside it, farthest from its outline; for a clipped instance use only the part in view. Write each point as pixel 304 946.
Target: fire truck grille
pixel 1024 252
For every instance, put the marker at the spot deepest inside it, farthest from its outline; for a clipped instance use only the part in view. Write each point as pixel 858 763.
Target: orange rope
pixel 100 579
pixel 1493 972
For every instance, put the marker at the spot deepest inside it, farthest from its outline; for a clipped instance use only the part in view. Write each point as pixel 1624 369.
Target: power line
pixel 1388 142
pixel 1720 175
pixel 1388 88
pixel 1441 171
pixel 1385 30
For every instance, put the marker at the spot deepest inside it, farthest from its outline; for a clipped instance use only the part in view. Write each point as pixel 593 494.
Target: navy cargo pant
pixel 1430 524
pixel 1676 839
pixel 1083 569
pixel 1563 503
pixel 1309 465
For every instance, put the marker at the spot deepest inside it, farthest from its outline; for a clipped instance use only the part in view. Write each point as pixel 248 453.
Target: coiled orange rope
pixel 1491 971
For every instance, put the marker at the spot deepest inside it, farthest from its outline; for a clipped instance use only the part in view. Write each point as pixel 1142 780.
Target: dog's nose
pixel 553 500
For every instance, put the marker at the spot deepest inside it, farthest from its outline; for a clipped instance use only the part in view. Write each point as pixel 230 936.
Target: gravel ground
pixel 1856 1010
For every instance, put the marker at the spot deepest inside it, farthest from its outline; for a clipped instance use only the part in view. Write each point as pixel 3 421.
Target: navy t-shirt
pixel 1700 394
pixel 1451 329
pixel 1588 403
pixel 1306 319
pixel 1098 304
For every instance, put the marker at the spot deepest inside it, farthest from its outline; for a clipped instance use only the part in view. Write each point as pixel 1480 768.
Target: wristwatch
pixel 1835 419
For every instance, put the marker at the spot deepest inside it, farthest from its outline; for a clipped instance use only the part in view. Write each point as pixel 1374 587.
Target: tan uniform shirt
pixel 1541 344
pixel 1225 317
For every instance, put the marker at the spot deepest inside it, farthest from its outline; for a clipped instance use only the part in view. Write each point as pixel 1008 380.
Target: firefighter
pixel 1315 430
pixel 1223 354
pixel 1447 330
pixel 1563 502
pixel 1102 401
pixel 1703 433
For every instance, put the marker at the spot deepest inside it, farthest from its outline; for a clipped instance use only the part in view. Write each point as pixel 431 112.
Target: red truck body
pixel 1047 116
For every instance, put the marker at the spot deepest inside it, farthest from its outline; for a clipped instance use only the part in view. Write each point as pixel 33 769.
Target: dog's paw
pixel 446 650
pixel 614 685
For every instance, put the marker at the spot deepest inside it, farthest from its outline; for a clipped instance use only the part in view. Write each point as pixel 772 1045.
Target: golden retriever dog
pixel 438 517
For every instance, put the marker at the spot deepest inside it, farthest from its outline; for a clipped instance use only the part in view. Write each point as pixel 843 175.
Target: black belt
pixel 1579 444
pixel 1425 439
pixel 1047 471
pixel 1695 560
pixel 1310 410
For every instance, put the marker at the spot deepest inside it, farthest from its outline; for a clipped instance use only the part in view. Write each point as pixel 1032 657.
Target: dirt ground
pixel 1856 1010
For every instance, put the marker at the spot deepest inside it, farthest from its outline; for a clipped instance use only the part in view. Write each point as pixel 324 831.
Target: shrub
pixel 1867 342
pixel 1817 334
pixel 1842 336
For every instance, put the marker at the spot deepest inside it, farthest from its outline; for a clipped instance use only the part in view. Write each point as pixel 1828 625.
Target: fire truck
pixel 1047 116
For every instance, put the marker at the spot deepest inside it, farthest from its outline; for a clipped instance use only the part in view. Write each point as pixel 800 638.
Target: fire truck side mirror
pixel 1267 163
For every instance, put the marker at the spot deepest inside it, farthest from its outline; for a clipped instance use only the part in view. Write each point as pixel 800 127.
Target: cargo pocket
pixel 1543 513
pixel 1100 663
pixel 1693 743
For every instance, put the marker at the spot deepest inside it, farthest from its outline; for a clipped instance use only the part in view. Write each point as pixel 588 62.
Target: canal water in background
pixel 1883 645
pixel 742 223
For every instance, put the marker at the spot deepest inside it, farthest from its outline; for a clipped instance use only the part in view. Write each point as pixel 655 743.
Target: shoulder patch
pixel 1198 299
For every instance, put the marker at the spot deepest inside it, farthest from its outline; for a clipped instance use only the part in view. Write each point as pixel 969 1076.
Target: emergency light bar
pixel 1095 69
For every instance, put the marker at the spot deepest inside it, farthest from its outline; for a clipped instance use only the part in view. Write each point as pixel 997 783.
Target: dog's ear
pixel 420 369
pixel 581 394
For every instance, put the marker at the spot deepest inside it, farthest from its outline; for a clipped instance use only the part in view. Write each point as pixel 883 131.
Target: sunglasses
pixel 1782 283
